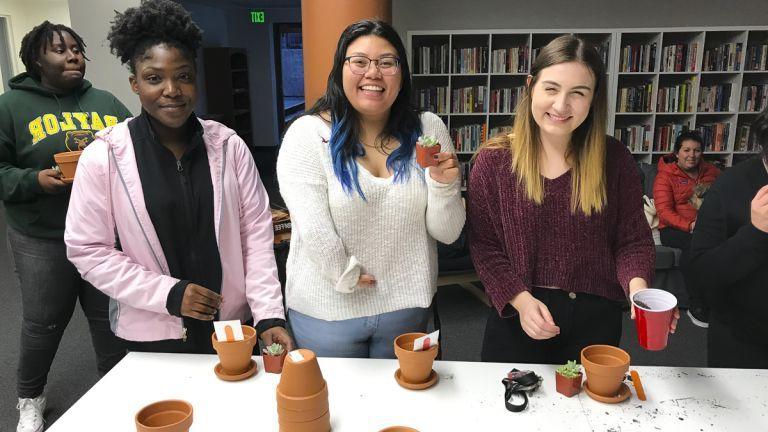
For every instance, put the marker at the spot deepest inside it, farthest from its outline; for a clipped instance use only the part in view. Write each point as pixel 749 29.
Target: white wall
pixel 23 15
pixel 91 20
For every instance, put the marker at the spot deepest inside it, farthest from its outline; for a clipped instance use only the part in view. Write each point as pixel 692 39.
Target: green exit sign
pixel 257 16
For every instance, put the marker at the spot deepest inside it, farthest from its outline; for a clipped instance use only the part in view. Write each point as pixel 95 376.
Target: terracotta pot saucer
pixel 252 369
pixel 420 386
pixel 623 394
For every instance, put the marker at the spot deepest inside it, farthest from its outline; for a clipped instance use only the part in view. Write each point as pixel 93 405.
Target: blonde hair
pixel 586 152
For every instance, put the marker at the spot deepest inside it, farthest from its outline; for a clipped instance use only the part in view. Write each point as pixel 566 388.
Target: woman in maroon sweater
pixel 557 230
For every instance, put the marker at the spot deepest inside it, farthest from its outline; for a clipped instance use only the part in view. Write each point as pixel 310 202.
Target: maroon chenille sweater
pixel 516 244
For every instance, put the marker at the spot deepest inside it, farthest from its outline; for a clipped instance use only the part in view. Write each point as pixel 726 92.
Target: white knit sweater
pixel 337 236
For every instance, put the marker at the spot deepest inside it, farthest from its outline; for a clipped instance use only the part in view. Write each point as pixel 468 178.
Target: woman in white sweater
pixel 362 267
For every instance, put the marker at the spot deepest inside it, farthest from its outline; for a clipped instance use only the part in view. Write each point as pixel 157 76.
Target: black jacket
pixel 729 255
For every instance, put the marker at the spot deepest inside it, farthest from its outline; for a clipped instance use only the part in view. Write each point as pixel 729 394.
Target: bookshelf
pixel 660 81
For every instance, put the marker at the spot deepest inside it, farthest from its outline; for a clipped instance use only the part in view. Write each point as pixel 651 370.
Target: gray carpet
pixel 462 319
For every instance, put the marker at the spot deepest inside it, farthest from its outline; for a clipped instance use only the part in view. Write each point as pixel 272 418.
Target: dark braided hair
pixel 41 37
pixel 154 22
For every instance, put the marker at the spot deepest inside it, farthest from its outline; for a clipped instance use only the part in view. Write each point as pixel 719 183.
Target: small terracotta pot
pixel 317 401
pixel 398 429
pixel 301 378
pixel 273 364
pixel 321 424
pixel 415 366
pixel 605 366
pixel 67 162
pixel 165 416
pixel 568 386
pixel 235 357
pixel 288 416
pixel 425 155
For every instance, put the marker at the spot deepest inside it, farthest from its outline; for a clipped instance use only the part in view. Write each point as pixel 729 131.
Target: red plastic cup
pixel 653 316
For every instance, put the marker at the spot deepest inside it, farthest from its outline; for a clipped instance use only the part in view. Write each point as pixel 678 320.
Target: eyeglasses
pixel 359 65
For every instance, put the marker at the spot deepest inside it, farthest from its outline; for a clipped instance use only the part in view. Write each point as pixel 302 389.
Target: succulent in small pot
pixel 273 356
pixel 568 378
pixel 427 147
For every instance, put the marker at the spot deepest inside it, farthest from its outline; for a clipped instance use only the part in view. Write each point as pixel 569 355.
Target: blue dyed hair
pixel 403 124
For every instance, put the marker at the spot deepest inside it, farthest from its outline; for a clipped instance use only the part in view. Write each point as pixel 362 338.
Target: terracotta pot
pixel 605 366
pixel 425 155
pixel 165 416
pixel 317 401
pixel 273 364
pixel 288 416
pixel 301 378
pixel 322 424
pixel 235 357
pixel 398 429
pixel 67 162
pixel 568 386
pixel 415 366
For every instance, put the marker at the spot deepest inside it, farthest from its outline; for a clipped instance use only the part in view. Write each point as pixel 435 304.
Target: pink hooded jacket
pixel 107 204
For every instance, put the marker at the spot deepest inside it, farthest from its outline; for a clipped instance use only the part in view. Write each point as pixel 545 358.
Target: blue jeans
pixel 366 337
pixel 50 288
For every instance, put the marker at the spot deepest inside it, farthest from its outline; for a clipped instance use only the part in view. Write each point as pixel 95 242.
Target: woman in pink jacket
pixel 168 216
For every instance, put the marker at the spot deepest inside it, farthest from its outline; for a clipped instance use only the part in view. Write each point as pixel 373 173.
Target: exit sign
pixel 257 16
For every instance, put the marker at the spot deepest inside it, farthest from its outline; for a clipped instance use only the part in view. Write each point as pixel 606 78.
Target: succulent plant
pixel 274 350
pixel 569 370
pixel 428 141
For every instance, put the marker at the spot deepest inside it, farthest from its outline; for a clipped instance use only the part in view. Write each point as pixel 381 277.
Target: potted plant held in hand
pixel 427 147
pixel 273 357
pixel 568 378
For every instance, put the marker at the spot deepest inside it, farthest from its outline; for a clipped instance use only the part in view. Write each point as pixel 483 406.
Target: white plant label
pixel 426 342
pixel 228 331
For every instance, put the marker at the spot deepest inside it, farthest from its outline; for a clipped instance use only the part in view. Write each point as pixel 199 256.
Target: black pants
pixel 50 288
pixel 682 240
pixel 726 351
pixel 583 320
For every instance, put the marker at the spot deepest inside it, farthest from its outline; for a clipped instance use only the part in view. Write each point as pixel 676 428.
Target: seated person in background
pixel 729 260
pixel 681 174
pixel 168 215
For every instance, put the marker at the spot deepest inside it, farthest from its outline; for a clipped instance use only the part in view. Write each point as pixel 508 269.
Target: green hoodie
pixel 35 123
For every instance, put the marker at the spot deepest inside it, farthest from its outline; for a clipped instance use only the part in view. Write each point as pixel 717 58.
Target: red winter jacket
pixel 672 189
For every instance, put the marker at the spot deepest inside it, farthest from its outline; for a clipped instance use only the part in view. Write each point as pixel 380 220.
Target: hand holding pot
pixel 50 182
pixel 535 318
pixel 759 210
pixel 277 335
pixel 447 169
pixel 200 303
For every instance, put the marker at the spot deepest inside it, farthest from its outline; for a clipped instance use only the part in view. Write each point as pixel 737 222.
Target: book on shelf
pixel 468 100
pixel 638 58
pixel 715 98
pixel 504 100
pixel 676 98
pixel 724 58
pixel 742 143
pixel 465 167
pixel 637 138
pixel 679 57
pixel 431 59
pixel 470 60
pixel 714 136
pixel 433 98
pixel 500 130
pixel 754 98
pixel 635 99
pixel 757 57
pixel 665 135
pixel 468 138
pixel 510 60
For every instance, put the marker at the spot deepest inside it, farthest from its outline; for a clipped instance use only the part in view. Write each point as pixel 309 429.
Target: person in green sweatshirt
pixel 50 108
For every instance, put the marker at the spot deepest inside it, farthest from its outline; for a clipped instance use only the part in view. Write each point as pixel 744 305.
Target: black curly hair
pixel 154 22
pixel 41 36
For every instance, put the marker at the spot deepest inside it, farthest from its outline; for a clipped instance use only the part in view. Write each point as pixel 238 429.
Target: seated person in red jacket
pixel 556 224
pixel 679 177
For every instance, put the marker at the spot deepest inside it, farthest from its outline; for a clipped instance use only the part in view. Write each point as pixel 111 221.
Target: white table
pixel 468 397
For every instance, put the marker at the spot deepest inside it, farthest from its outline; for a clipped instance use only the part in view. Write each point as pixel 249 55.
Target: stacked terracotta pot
pixel 302 395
